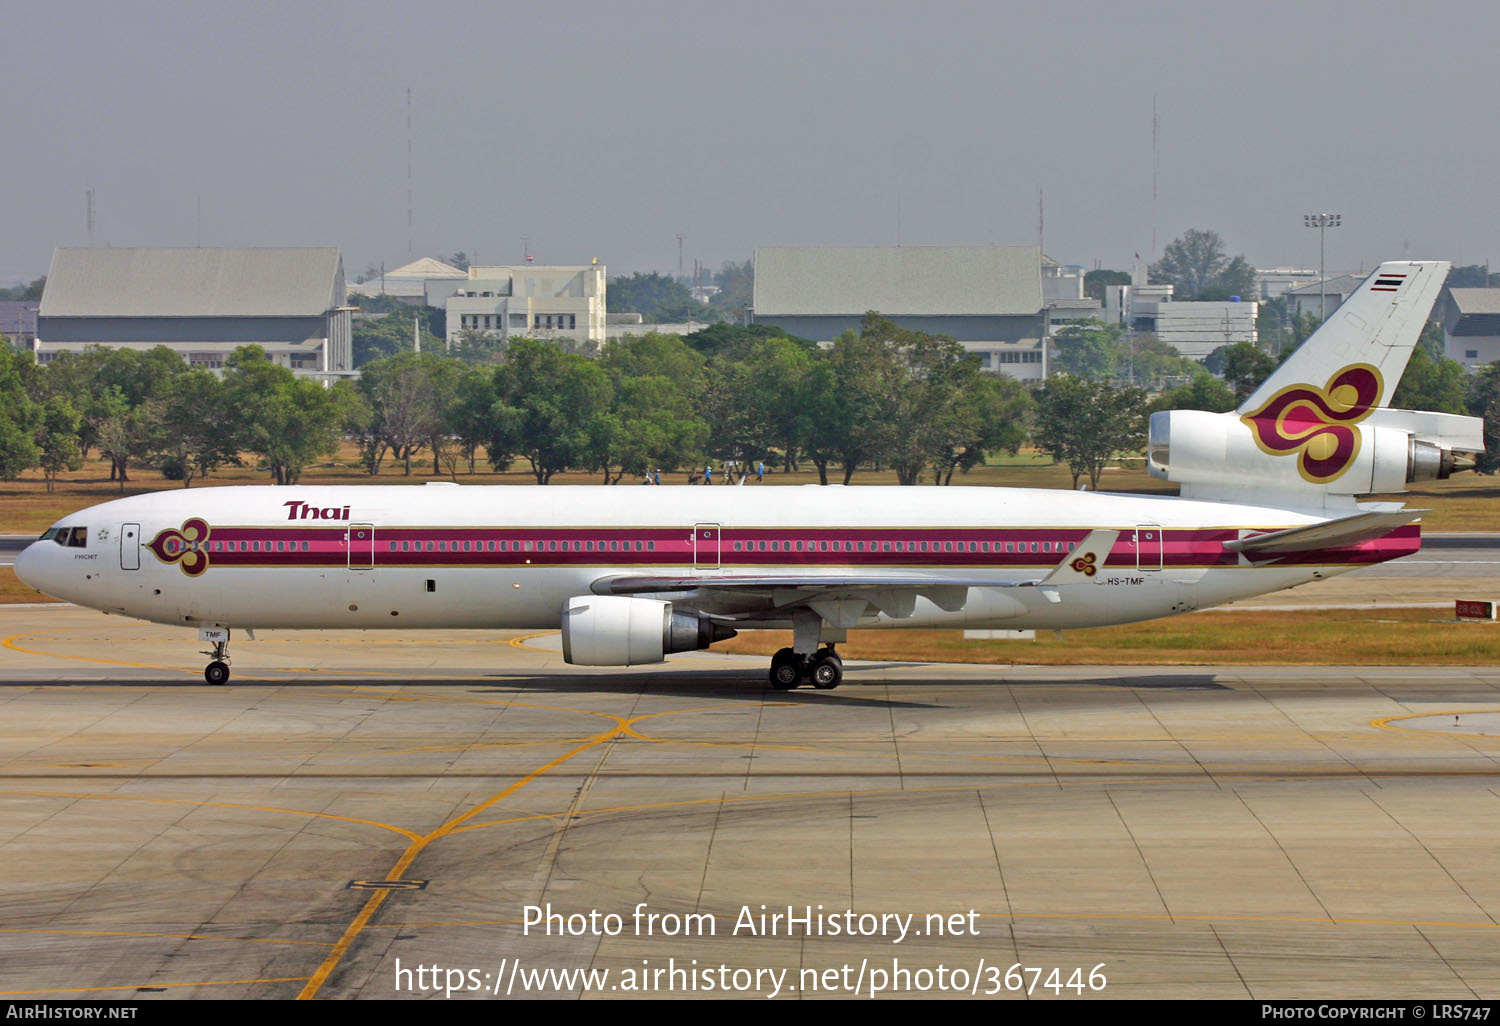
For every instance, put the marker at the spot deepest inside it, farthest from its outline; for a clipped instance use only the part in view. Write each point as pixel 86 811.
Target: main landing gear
pixel 822 669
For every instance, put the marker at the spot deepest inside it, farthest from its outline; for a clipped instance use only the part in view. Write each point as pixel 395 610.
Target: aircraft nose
pixel 29 564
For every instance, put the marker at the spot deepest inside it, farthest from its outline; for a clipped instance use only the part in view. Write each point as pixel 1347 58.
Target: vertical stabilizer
pixel 1376 326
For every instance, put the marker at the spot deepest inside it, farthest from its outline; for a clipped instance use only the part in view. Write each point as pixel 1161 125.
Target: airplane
pixel 1269 499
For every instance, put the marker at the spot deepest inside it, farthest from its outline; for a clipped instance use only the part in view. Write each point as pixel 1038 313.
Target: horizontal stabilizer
pixel 1330 534
pixel 1085 560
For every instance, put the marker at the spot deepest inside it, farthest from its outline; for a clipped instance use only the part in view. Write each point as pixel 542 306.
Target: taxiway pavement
pixel 355 811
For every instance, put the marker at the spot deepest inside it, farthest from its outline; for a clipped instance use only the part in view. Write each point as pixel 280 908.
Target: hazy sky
pixel 603 129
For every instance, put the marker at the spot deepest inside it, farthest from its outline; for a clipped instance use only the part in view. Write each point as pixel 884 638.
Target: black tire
pixel 216 673
pixel 827 672
pixel 786 671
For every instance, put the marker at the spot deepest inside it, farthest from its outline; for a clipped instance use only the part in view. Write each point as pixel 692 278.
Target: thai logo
pixel 1085 565
pixel 188 548
pixel 1320 425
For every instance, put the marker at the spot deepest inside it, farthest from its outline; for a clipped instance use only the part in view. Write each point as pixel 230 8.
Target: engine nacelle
pixel 616 630
pixel 1216 451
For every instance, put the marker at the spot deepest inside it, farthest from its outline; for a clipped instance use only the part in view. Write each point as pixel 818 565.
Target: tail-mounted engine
pixel 1215 455
pixel 615 630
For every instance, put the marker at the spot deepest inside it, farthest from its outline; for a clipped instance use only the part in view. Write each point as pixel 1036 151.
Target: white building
pixel 408 283
pixel 564 303
pixel 1321 299
pixel 1271 282
pixel 1194 328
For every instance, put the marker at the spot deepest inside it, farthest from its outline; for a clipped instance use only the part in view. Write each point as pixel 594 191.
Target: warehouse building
pixel 988 298
pixel 202 303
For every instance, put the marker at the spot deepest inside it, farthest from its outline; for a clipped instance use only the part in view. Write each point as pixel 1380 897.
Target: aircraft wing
pixel 841 599
pixel 1328 535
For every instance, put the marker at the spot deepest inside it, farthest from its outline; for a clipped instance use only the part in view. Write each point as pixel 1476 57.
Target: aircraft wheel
pixel 786 671
pixel 827 672
pixel 216 672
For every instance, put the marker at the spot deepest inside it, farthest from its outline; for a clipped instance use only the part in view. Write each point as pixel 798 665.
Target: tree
pixel 1095 282
pixel 20 416
pixel 550 407
pixel 926 407
pixel 475 345
pixel 1085 424
pixel 653 425
pixel 57 439
pixel 1146 360
pixel 657 298
pixel 736 341
pixel 1087 349
pixel 1432 383
pixel 736 283
pixel 379 337
pixel 193 429
pixel 996 412
pixel 407 397
pixel 1242 365
pixel 288 421
pixel 25 292
pixel 1484 401
pixel 1204 392
pixel 852 421
pixel 1467 276
pixel 1196 268
pixel 655 354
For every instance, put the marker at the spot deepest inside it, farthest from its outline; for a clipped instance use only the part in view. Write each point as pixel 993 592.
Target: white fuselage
pixel 444 556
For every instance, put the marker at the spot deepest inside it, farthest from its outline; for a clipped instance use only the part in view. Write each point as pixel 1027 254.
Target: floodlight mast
pixel 1322 222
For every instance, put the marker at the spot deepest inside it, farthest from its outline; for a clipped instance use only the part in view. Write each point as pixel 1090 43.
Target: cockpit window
pixel 49 534
pixel 80 539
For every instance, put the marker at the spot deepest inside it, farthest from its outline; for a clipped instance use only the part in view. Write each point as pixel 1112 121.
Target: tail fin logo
pixel 1085 565
pixel 1320 425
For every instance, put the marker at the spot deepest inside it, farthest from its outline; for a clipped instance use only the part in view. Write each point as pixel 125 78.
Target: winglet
pixel 1085 560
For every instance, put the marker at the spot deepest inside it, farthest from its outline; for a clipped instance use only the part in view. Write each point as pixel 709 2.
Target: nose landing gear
pixel 823 669
pixel 216 672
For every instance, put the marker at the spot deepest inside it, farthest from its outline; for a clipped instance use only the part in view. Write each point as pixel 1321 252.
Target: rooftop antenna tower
pixel 410 249
pixel 1041 235
pixel 89 214
pixel 680 238
pixel 1155 169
